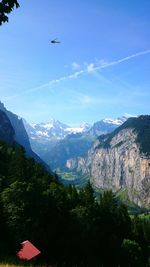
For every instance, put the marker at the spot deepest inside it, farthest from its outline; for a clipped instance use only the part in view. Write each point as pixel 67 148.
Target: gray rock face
pixel 19 133
pixel 21 136
pixel 7 132
pixel 119 166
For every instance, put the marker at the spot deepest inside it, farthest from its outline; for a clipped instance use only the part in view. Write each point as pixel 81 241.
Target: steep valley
pixel 117 159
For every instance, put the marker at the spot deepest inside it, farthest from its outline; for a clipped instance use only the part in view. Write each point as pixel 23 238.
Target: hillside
pixel 19 134
pixel 69 227
pixel 7 132
pixel 121 160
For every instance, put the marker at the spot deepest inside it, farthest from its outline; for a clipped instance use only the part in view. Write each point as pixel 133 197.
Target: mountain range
pixel 76 223
pixel 112 154
pixel 56 142
pixel 54 129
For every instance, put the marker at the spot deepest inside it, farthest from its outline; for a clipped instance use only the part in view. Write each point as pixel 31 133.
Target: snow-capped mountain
pixel 56 130
pixel 117 121
pixel 53 129
pixel 45 136
pixel 106 125
pixel 83 128
pixel 56 142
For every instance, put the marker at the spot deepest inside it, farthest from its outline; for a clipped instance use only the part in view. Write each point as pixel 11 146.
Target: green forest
pixel 70 227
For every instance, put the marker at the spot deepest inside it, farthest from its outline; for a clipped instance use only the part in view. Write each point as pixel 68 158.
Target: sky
pixel 100 69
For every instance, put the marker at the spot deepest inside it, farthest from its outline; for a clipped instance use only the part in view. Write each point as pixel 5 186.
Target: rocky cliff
pixel 121 161
pixel 17 132
pixel 7 132
pixel 20 136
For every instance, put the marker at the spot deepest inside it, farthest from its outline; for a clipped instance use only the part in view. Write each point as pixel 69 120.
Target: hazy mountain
pixel 56 142
pixel 73 145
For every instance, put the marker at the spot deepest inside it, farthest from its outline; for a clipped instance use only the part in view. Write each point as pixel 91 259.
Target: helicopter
pixel 55 41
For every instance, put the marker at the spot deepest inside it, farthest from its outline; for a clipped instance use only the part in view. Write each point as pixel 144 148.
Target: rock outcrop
pixel 20 135
pixel 122 161
pixel 7 132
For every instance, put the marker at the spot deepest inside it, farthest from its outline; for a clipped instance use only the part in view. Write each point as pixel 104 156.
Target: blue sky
pixel 100 69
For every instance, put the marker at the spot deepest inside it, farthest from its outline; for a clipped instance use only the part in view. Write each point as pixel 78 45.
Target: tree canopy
pixel 70 227
pixel 6 6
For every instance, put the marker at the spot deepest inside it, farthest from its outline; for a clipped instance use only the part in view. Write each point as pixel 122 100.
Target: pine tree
pixel 6 6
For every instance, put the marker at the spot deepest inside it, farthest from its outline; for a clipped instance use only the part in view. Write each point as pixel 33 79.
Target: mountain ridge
pixel 7 132
pixel 120 160
pixel 20 134
pixel 52 140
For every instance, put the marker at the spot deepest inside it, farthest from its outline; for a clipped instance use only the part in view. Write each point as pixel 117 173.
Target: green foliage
pixel 122 194
pixel 132 254
pixel 6 6
pixel 70 227
pixel 87 195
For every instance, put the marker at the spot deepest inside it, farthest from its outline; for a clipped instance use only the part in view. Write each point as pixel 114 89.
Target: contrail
pixel 122 59
pixel 77 74
pixel 104 65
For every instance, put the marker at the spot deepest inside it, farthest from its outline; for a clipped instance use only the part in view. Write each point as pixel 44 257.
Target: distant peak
pixel 2 105
pixel 127 115
pixel 117 121
pixel 51 120
pixel 84 125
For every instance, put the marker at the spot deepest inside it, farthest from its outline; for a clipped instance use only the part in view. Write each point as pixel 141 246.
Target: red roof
pixel 28 251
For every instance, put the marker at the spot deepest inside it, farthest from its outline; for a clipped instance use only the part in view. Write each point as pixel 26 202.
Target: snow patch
pixel 74 130
pixel 40 133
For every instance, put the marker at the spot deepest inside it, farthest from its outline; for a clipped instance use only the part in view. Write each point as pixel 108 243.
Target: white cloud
pixel 75 66
pixel 90 67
